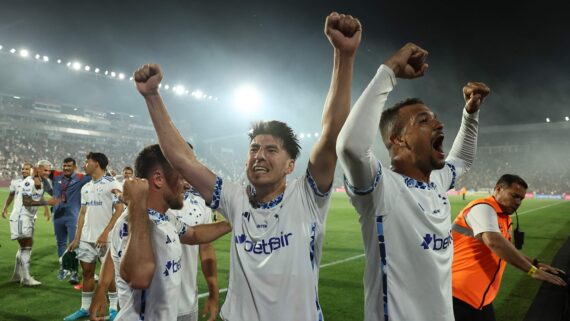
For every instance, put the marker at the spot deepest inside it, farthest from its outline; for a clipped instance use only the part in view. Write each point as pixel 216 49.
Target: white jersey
pixel 25 187
pixel 194 212
pixel 406 229
pixel 275 253
pixel 158 302
pixel 97 197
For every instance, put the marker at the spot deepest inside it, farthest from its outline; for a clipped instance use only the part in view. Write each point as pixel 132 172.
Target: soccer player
pixel 278 226
pixel 67 186
pixel 404 210
pixel 481 236
pixel 195 212
pixel 25 170
pixel 146 242
pixel 99 211
pixel 28 195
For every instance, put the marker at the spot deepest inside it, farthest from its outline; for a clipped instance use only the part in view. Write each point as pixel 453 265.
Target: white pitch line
pixel 203 295
pixel 539 208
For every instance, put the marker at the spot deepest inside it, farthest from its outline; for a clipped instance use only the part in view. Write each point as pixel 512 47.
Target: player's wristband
pixel 532 270
pixel 535 262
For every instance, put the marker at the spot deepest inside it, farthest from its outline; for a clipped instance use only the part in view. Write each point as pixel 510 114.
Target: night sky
pixel 520 49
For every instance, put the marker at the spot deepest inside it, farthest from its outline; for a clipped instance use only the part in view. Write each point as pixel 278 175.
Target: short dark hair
pixel 129 168
pixel 69 160
pixel 100 158
pixel 148 159
pixel 390 123
pixel 508 180
pixel 279 130
pixel 27 163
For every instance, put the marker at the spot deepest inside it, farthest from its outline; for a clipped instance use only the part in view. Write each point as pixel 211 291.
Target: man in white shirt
pixel 99 211
pixel 278 227
pixel 196 212
pixel 404 210
pixel 146 253
pixel 28 194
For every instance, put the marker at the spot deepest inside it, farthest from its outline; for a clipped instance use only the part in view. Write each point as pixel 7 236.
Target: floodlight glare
pixel 1 47
pixel 45 58
pixel 198 94
pixel 76 65
pixel 59 61
pixel 247 97
pixel 106 72
pixel 131 78
pixel 302 135
pixel 316 135
pixel 121 76
pixel 97 70
pixel 113 74
pixel 69 64
pixel 567 118
pixel 87 68
pixel 309 135
pixel 166 87
pixel 24 53
pixel 13 50
pixel 38 56
pixel 547 120
pixel 179 90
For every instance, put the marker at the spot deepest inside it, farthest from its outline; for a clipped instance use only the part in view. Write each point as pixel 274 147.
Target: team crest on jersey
pixel 27 184
pixel 247 215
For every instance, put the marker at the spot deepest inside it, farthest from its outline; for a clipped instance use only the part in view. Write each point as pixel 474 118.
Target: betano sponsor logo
pixel 266 246
pixel 436 243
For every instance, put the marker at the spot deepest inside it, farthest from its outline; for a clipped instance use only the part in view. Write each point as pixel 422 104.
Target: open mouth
pixel 260 169
pixel 437 144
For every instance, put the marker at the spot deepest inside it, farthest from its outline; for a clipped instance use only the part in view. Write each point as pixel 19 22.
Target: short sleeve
pixel 482 218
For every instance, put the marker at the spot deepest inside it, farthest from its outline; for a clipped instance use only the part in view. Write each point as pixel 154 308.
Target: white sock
pixel 18 265
pixel 86 300
pixel 113 300
pixel 25 255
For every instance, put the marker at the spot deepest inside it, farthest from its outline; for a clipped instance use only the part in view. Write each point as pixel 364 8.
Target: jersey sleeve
pixel 226 197
pixel 28 187
pixel 482 218
pixel 84 196
pixel 13 186
pixel 316 201
pixel 119 237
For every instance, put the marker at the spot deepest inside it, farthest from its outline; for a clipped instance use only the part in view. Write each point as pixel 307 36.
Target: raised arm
pixel 205 233
pixel 343 32
pixel 357 136
pixel 465 143
pixel 137 264
pixel 173 145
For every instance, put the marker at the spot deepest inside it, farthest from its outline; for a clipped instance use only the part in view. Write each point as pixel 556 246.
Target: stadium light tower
pixel 247 98
pixel 24 53
pixel 76 65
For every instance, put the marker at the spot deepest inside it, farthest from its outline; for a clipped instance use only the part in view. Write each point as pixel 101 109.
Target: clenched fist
pixel 474 93
pixel 135 189
pixel 344 32
pixel 408 62
pixel 147 78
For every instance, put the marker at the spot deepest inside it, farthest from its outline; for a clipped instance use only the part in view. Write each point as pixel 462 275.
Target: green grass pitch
pixel 546 223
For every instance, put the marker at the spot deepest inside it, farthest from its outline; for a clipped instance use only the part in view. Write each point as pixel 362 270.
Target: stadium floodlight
pixel 547 120
pixel 38 56
pixel 24 53
pixel 76 65
pixel 186 92
pixel 106 72
pixel 1 47
pixel 45 58
pixel 97 70
pixel 59 61
pixel 131 116
pixel 121 76
pixel 69 64
pixel 16 97
pixel 309 135
pixel 316 134
pixel 247 98
pixel 567 118
pixel 112 113
pixel 302 135
pixel 13 50
pixel 113 74
pixel 210 97
pixel 87 68
pixel 198 94
pixel 166 87
pixel 131 78
pixel 178 89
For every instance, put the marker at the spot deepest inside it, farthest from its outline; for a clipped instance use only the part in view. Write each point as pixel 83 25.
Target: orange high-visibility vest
pixel 477 271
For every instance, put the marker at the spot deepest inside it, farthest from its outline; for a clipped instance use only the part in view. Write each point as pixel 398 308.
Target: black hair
pixel 129 168
pixel 69 160
pixel 390 122
pixel 147 161
pixel 508 180
pixel 279 130
pixel 100 158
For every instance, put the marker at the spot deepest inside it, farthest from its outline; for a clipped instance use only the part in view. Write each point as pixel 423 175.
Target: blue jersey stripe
pixel 382 248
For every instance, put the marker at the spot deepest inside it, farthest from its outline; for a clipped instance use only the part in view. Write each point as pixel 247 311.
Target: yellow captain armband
pixel 532 270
